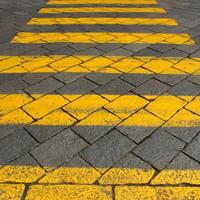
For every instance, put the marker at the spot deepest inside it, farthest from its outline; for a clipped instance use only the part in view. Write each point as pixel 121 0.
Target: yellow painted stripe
pixel 161 193
pixel 88 175
pixel 101 64
pixel 48 113
pixel 103 9
pixel 112 37
pixel 105 20
pixel 69 192
pixel 11 191
pixel 102 2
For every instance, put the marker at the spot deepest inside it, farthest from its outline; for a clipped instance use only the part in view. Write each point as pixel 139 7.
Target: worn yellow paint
pixel 69 192
pixel 60 63
pixel 77 175
pixel 154 193
pixel 194 105
pixel 11 191
pixel 177 176
pixel 45 108
pixel 15 117
pixel 165 106
pixel 111 37
pixel 20 173
pixel 12 102
pixel 83 106
pixel 44 105
pixel 100 2
pixel 102 10
pixel 56 118
pixel 103 20
pixel 184 118
pixel 188 65
pixel 99 118
pixel 126 176
pixel 142 119
pixel 126 105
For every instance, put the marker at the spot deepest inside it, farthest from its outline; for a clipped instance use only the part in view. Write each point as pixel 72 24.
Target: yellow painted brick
pixel 85 105
pixel 99 118
pixel 77 175
pixel 126 176
pixel 165 106
pixel 56 118
pixel 45 105
pixel 188 65
pixel 20 174
pixel 15 117
pixel 103 9
pixel 155 193
pixel 158 65
pixel 11 191
pixel 69 192
pixel 97 63
pixel 12 102
pixel 184 118
pixel 125 105
pixel 127 64
pixel 194 105
pixel 142 118
pixel 65 63
pixel 10 62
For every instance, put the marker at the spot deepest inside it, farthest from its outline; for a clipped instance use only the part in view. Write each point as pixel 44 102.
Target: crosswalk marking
pixel 102 37
pixel 102 10
pixel 102 2
pixel 103 20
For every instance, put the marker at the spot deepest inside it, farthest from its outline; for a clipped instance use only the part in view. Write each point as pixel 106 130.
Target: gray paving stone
pixel 162 48
pixel 136 47
pixel 151 87
pixel 107 150
pixel 80 86
pixel 193 148
pixel 102 78
pixel 58 149
pixel 44 87
pixel 116 86
pixel 43 133
pixel 15 145
pixel 185 88
pixel 136 79
pixel 159 149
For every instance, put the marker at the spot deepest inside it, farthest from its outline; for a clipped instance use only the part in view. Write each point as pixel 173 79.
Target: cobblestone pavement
pixel 100 100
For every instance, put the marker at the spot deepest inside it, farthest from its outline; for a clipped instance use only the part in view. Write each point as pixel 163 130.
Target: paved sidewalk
pixel 100 100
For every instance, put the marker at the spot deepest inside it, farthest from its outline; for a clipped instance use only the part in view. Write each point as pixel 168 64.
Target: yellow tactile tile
pixel 11 191
pixel 103 20
pixel 44 105
pixel 102 10
pixel 165 106
pixel 126 105
pixel 69 192
pixel 155 193
pixel 111 37
pixel 83 106
pixel 100 2
pixel 20 174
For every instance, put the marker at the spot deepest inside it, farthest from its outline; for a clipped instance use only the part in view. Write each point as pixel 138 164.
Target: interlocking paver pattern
pixel 99 99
